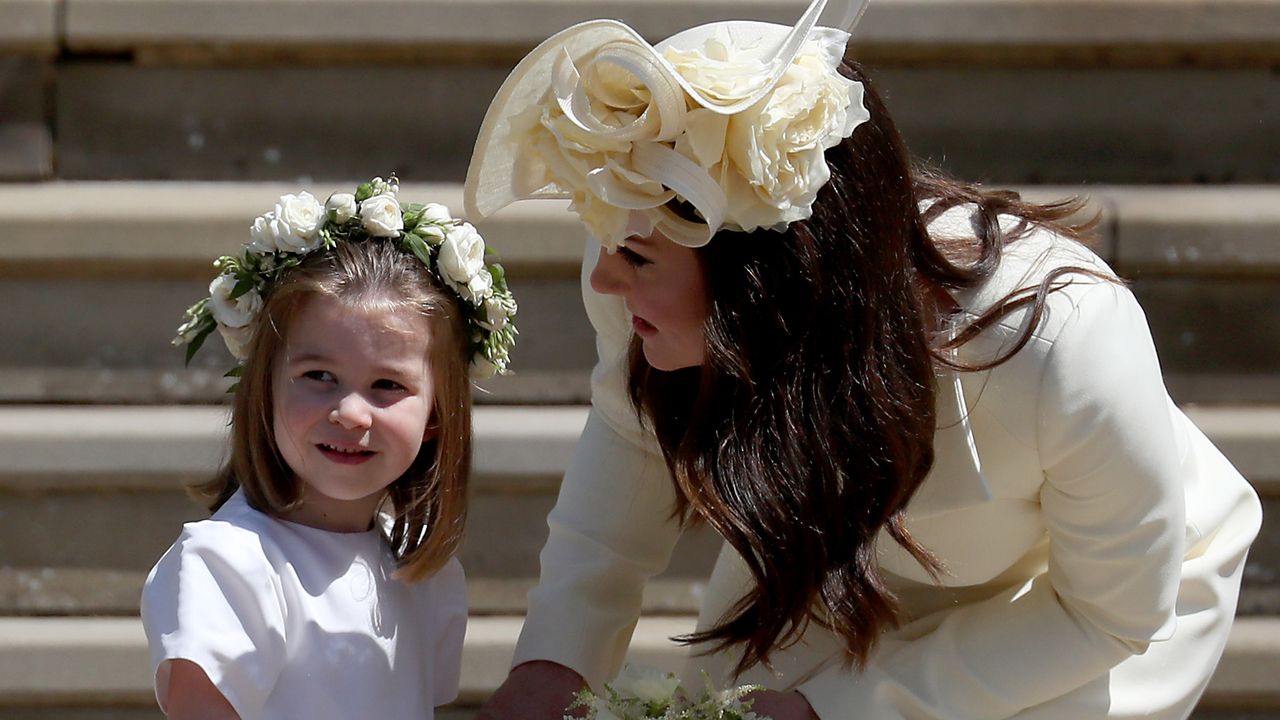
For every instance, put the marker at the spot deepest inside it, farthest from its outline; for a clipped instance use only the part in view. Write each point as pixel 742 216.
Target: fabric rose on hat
pixel 777 145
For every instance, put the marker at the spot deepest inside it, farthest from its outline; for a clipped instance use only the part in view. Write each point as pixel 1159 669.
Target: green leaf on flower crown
pixel 198 339
pixel 412 207
pixel 364 192
pixel 412 218
pixel 499 277
pixel 419 248
pixel 235 372
pixel 243 285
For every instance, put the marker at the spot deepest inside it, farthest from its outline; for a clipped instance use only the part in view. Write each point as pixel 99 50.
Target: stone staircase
pixel 139 137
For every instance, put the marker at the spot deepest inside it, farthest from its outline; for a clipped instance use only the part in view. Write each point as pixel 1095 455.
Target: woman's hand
pixel 781 705
pixel 536 690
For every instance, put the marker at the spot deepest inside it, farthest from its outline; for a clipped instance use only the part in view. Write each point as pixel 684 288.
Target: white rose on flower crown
pixel 237 340
pixel 381 215
pixel 341 207
pixel 299 225
pixel 436 213
pixel 232 313
pixel 462 258
pixel 297 220
pixel 262 238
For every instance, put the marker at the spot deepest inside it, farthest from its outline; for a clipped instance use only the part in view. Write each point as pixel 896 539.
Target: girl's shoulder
pixel 234 541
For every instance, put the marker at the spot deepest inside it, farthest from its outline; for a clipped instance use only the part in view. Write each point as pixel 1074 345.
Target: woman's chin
pixel 667 361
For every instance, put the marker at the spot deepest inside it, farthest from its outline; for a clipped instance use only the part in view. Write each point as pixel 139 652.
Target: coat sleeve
pixel 1113 505
pixel 612 526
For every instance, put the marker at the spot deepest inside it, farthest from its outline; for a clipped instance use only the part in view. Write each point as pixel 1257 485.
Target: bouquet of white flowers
pixel 644 693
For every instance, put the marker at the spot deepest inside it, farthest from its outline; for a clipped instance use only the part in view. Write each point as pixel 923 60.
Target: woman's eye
pixel 323 376
pixel 385 384
pixel 633 258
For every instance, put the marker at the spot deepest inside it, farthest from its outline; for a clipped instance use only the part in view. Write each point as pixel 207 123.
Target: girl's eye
pixel 385 384
pixel 632 258
pixel 323 376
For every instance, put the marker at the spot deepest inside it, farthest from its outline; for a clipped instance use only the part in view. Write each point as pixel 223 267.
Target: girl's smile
pixel 338 454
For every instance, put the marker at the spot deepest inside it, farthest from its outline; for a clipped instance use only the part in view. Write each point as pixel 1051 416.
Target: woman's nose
pixel 353 412
pixel 610 274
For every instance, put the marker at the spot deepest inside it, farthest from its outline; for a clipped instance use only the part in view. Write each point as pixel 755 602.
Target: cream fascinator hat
pixel 730 117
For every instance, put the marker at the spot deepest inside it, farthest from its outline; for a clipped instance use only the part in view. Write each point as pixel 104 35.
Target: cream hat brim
pixel 490 184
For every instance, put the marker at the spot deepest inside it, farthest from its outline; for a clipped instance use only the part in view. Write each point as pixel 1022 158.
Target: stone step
pixel 145 230
pixel 118 471
pixel 65 661
pixel 117 119
pixel 1236 29
pixel 1091 82
pixel 90 315
pixel 29 27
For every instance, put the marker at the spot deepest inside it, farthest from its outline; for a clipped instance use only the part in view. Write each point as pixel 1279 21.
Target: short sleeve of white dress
pixel 213 599
pixel 448 629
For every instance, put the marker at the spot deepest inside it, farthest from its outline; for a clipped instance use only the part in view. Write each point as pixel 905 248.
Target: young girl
pixel 325 583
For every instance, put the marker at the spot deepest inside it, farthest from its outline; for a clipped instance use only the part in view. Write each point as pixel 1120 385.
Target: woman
pixel 929 424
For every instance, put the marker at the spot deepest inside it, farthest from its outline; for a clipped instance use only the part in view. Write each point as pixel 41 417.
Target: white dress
pixel 1093 537
pixel 290 621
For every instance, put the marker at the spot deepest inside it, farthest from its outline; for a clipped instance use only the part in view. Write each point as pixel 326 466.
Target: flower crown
pixel 732 118
pixel 300 225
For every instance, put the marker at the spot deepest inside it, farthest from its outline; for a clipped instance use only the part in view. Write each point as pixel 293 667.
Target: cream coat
pixel 1093 537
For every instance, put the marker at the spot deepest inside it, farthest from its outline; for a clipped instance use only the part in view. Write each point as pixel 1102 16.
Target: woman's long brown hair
pixel 429 501
pixel 810 424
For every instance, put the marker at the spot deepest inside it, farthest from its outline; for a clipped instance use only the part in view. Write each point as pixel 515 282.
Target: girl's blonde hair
pixel 429 501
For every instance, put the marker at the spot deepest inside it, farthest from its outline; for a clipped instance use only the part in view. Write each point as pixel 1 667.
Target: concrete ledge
pixel 175 229
pixel 78 591
pixel 86 448
pixel 1209 229
pixel 66 660
pixel 97 24
pixel 1249 436
pixel 194 385
pixel 178 228
pixel 29 27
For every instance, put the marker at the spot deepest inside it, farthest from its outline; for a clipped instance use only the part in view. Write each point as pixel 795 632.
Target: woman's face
pixel 661 284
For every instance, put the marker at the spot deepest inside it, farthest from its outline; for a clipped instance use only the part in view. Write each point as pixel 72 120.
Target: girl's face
pixel 354 397
pixel 662 286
